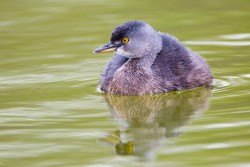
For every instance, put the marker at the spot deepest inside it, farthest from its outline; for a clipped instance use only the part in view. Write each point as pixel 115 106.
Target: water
pixel 52 115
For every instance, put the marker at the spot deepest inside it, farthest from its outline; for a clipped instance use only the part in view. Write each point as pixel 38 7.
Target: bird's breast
pixel 132 81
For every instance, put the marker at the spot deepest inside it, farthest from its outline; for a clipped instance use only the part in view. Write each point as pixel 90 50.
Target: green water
pixel 51 114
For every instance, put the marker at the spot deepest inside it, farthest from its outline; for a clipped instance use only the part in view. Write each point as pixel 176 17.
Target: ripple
pixel 236 36
pixel 223 43
pixel 86 104
pixel 246 75
pixel 219 83
pixel 226 83
pixel 11 149
pixel 7 23
pixel 83 71
pixel 50 9
pixel 236 80
pixel 217 145
pixel 27 79
pixel 219 125
pixel 198 147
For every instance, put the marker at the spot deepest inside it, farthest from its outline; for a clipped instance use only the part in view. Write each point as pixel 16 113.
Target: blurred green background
pixel 52 115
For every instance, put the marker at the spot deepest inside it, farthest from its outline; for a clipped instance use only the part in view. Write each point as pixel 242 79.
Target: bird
pixel 150 62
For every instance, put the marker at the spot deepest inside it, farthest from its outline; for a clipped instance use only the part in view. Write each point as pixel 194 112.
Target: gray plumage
pixel 150 63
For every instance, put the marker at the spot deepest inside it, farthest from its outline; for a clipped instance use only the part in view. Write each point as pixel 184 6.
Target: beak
pixel 107 48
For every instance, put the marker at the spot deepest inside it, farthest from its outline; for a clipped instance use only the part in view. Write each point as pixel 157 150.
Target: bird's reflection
pixel 144 121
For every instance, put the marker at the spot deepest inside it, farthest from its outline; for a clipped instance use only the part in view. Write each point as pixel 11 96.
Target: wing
pixel 173 60
pixel 179 66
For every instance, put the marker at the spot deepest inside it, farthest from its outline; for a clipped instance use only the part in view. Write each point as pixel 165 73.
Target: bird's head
pixel 133 39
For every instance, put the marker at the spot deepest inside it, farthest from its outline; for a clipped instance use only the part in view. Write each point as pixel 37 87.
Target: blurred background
pixel 52 115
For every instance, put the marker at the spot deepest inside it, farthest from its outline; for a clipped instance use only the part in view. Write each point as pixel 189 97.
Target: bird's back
pixel 179 66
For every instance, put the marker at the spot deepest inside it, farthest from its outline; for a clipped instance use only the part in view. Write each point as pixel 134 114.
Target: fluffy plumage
pixel 151 63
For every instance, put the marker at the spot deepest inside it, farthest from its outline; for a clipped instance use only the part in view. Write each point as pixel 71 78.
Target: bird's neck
pixel 152 50
pixel 147 60
pixel 144 62
pixel 149 52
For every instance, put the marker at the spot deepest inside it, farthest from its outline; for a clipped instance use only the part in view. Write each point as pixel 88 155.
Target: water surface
pixel 52 115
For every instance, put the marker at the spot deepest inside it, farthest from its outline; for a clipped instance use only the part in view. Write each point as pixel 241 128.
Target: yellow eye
pixel 125 40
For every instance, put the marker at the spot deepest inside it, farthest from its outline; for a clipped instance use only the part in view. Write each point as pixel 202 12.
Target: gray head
pixel 134 39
